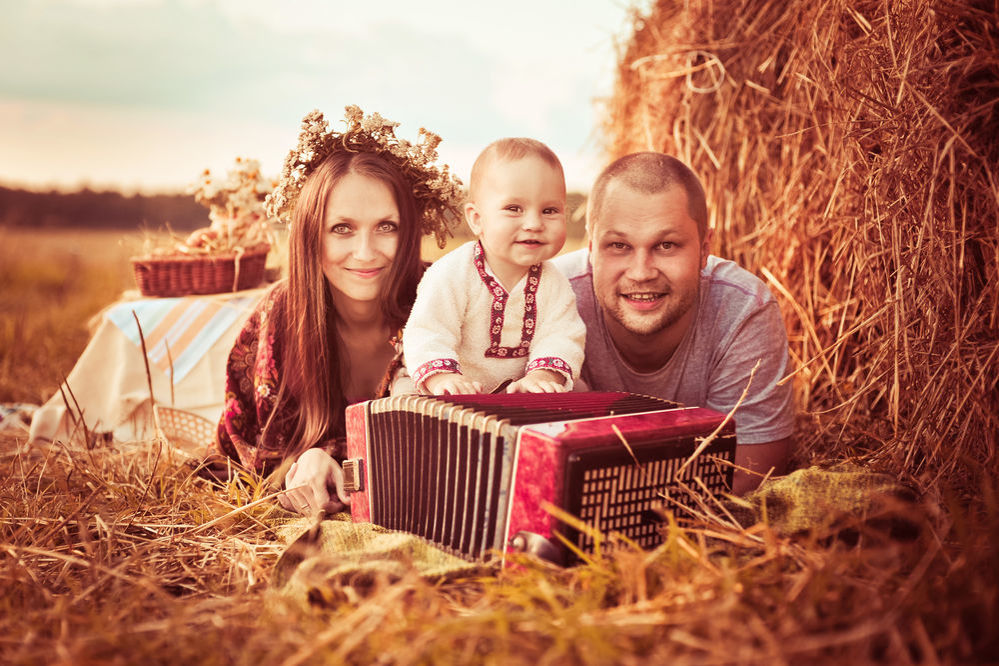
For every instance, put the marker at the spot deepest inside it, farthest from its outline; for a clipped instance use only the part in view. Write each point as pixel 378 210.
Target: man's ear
pixel 706 247
pixel 472 218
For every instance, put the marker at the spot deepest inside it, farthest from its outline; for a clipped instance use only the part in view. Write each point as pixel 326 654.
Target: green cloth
pixel 825 499
pixel 335 560
pixel 326 559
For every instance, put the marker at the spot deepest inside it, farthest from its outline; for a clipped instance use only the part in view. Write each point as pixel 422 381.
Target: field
pixel 112 556
pixel 53 282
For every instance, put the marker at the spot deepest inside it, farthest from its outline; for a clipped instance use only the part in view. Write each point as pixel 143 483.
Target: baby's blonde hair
pixel 510 148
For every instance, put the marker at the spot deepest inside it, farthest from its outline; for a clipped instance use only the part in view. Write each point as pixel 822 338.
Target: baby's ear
pixel 472 218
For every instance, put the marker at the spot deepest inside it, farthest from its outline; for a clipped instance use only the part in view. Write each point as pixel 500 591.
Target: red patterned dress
pixel 252 378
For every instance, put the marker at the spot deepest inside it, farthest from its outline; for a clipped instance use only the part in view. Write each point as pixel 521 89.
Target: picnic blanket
pixel 337 557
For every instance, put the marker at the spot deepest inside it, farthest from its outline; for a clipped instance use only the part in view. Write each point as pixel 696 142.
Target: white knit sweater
pixel 464 321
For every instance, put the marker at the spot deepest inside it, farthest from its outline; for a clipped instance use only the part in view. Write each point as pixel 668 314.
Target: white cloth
pixel 464 320
pixel 109 387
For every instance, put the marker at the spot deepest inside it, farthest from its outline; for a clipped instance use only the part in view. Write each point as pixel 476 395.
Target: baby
pixel 495 309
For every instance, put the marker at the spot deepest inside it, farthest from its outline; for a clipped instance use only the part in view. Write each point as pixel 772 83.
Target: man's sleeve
pixel 765 415
pixel 561 334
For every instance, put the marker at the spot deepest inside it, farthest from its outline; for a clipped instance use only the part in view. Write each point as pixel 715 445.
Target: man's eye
pixel 617 245
pixel 667 245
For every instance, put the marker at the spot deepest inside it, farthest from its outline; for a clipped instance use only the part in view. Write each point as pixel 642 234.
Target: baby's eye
pixel 513 208
pixel 552 210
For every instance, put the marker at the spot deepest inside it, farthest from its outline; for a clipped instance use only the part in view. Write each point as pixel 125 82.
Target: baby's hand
pixel 450 383
pixel 538 381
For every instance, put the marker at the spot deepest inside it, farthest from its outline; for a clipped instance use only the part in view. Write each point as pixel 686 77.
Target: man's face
pixel 647 257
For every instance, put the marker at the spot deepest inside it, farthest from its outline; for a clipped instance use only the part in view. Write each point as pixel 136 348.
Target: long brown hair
pixel 312 362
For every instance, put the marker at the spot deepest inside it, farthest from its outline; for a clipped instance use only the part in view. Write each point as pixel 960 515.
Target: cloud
pixel 163 70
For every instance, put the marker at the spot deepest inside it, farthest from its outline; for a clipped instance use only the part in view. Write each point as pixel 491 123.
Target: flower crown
pixel 438 193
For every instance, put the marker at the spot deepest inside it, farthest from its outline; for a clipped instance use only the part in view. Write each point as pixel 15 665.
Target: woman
pixel 358 203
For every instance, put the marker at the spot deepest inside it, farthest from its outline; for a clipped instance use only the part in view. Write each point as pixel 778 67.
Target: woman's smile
pixel 366 273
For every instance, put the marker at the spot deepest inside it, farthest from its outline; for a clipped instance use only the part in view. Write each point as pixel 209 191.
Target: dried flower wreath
pixel 438 193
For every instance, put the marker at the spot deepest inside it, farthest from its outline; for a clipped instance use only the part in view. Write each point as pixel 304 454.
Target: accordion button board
pixel 477 473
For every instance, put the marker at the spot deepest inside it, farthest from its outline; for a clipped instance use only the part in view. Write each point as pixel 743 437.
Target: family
pixel 642 308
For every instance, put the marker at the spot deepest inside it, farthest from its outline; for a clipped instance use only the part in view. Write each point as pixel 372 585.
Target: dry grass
pixel 53 283
pixel 126 557
pixel 848 148
pixel 849 152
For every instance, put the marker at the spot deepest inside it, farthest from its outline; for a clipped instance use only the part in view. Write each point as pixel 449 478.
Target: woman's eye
pixel 388 227
pixel 340 229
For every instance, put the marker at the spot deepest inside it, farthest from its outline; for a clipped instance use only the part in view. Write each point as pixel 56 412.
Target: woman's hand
pixel 309 481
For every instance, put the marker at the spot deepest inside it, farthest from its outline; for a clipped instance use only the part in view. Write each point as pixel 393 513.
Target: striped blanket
pixel 179 331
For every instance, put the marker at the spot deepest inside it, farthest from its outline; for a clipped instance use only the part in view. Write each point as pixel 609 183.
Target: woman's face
pixel 360 237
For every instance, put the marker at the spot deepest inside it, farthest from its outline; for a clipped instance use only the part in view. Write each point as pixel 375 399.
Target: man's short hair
pixel 511 148
pixel 650 173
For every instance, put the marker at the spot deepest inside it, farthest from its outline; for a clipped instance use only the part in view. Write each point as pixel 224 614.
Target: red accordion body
pixel 474 473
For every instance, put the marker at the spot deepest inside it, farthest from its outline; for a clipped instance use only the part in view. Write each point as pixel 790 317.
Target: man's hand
pixel 759 458
pixel 450 383
pixel 538 381
pixel 309 481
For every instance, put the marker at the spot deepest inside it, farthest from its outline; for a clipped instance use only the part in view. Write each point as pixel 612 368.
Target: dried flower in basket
pixel 235 208
pixel 438 193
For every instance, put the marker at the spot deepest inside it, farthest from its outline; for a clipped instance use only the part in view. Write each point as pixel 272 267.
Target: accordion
pixel 475 474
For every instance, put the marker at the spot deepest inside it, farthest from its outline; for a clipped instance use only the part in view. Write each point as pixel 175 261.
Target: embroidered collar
pixel 498 309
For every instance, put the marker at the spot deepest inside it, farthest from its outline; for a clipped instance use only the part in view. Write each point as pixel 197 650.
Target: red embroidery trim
pixel 500 297
pixel 435 367
pixel 550 363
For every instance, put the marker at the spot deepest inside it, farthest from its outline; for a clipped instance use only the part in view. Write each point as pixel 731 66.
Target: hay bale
pixel 849 155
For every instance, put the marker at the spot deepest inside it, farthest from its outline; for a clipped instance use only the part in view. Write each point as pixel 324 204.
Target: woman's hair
pixel 313 366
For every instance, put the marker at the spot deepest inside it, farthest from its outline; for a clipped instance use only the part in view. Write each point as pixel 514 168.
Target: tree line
pixel 91 209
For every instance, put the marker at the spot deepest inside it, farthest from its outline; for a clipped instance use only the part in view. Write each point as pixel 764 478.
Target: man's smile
pixel 644 300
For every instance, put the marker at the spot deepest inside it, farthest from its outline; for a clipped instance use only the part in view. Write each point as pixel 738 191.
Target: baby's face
pixel 519 212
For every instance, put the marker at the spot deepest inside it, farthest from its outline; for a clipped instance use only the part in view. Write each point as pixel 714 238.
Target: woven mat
pixel 336 556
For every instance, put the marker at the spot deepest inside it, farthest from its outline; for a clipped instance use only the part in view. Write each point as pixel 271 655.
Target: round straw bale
pixel 848 151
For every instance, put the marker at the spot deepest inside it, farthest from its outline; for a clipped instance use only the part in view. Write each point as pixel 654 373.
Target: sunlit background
pixel 142 95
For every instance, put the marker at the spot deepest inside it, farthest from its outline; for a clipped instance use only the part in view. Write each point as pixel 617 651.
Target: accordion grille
pixel 611 493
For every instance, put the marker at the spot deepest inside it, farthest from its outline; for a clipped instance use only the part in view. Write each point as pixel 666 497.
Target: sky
pixel 143 95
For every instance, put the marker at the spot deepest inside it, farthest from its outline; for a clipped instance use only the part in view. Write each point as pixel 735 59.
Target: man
pixel 664 318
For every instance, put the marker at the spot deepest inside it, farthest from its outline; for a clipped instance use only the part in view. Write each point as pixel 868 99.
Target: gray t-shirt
pixel 738 322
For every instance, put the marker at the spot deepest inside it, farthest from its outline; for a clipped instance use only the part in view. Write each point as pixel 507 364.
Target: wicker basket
pixel 189 432
pixel 181 275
